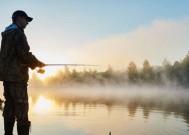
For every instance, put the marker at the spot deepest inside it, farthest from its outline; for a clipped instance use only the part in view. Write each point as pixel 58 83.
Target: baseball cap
pixel 22 14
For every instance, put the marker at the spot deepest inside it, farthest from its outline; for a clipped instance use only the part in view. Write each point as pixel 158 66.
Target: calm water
pixel 51 117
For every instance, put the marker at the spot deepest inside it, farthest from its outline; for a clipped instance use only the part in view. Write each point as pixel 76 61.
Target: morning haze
pixel 141 83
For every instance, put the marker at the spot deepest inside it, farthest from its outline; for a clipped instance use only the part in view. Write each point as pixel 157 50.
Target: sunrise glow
pixel 43 105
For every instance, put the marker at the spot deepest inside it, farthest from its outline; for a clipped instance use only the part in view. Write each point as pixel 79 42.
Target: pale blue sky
pixel 90 19
pixel 61 25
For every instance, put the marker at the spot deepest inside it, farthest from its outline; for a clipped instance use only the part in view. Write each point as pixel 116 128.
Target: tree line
pixel 178 72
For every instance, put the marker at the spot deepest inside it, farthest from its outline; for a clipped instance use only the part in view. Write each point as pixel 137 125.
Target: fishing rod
pixel 69 65
pixel 42 71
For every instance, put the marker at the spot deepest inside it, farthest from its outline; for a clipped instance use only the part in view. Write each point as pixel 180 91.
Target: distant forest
pixel 167 73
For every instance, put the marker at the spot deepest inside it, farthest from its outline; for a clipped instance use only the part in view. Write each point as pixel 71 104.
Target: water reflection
pixel 146 112
pixel 43 105
pixel 95 116
pixel 132 110
pixel 68 106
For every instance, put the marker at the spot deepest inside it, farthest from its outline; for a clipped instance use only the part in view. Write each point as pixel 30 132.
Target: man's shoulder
pixel 18 34
pixel 13 32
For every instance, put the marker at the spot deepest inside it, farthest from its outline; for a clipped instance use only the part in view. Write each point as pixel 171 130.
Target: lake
pixel 76 117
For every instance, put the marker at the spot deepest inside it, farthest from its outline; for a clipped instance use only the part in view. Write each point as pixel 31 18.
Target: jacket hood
pixel 10 27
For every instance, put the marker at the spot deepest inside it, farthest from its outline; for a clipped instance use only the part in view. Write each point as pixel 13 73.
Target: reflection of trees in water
pixel 66 106
pixel 166 114
pixel 186 118
pixel 168 108
pixel 132 110
pixel 132 107
pixel 146 112
pixel 178 110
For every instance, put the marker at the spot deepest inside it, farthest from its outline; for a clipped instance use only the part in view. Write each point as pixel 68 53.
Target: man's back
pixel 15 53
pixel 10 61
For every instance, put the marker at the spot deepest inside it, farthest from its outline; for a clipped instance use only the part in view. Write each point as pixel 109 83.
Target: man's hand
pixel 40 64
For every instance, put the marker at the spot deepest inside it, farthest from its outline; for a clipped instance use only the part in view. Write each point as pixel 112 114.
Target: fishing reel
pixel 41 71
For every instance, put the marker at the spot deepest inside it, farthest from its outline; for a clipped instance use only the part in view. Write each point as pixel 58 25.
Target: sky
pixel 104 32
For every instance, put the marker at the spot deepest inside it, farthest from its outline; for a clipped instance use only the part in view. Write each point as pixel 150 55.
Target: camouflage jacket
pixel 13 54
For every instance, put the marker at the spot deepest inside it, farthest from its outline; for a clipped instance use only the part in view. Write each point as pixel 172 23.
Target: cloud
pixel 161 39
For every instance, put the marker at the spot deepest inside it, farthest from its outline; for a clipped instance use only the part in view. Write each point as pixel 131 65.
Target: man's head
pixel 21 18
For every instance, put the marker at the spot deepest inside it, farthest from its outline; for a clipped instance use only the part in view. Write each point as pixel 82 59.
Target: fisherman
pixel 15 60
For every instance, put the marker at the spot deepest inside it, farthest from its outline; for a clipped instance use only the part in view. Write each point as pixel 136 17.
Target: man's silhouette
pixel 15 60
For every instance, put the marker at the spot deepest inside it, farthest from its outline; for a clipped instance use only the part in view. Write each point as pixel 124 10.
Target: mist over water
pixel 169 98
pixel 154 104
